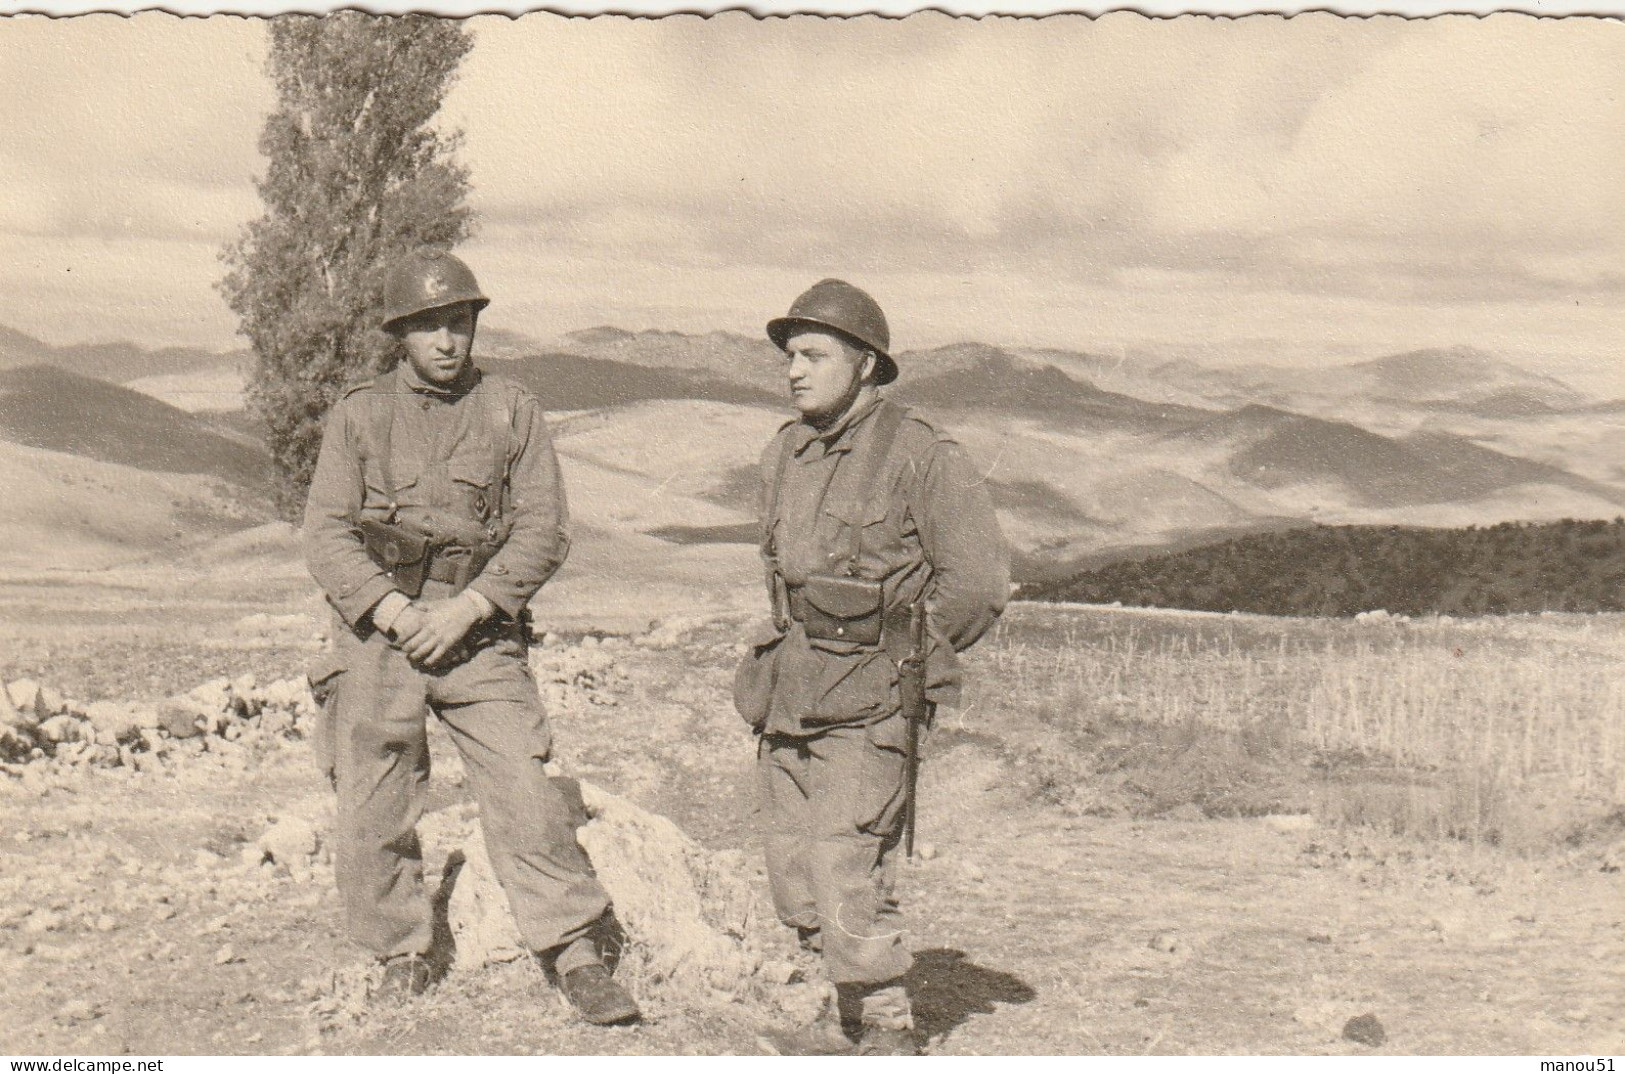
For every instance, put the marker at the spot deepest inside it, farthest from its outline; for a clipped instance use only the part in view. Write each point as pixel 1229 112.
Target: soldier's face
pixel 826 374
pixel 438 342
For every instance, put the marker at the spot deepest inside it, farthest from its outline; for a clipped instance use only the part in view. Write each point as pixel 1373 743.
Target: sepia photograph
pixel 812 537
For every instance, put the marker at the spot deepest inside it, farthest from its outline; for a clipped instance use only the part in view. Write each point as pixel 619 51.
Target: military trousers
pixel 378 709
pixel 832 814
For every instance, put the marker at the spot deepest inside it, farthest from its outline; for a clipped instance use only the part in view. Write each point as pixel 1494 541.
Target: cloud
pixel 1332 156
pixel 1068 175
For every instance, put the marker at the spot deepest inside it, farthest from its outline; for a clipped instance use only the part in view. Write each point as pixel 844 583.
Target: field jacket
pixel 924 529
pixel 475 462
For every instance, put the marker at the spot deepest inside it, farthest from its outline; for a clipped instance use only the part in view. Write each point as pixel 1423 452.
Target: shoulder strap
pixel 383 424
pixel 888 420
pixel 771 521
pixel 498 400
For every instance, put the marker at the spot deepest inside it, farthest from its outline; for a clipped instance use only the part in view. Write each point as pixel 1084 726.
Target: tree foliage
pixel 355 175
pixel 1568 566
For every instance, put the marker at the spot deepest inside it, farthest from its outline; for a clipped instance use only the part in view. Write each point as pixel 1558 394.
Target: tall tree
pixel 355 175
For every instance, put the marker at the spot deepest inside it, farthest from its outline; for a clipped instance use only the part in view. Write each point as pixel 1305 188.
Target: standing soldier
pixel 872 520
pixel 435 513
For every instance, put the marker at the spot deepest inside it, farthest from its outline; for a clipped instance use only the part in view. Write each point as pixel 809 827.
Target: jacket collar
pixel 838 437
pixel 406 378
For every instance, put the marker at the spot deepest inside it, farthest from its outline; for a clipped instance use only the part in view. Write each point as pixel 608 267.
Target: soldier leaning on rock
pixel 435 513
pixel 869 511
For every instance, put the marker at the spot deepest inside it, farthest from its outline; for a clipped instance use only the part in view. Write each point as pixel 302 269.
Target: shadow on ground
pixel 947 988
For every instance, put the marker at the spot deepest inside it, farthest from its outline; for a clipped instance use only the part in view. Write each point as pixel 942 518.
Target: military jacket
pixel 463 465
pixel 926 528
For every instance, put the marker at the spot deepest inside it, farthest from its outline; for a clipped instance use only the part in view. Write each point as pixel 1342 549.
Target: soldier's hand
pixel 445 623
pixel 407 623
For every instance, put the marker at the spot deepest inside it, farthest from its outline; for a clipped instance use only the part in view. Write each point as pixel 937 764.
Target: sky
pixel 1304 190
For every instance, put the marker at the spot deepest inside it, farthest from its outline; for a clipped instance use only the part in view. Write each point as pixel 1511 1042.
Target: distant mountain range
pixel 1089 457
pixel 116 362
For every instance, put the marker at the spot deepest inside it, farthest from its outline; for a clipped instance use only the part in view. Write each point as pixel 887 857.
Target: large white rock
pixel 686 911
pixel 114 719
pixel 19 707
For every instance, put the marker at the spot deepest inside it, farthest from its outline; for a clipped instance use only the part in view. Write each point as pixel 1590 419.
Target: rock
pixel 276 721
pixel 779 973
pixel 291 694
pixel 214 695
pixel 106 923
pixel 20 704
pixel 16 743
pixel 182 717
pixel 63 728
pixel 477 910
pixel 290 840
pixel 1167 943
pixel 926 851
pixel 1290 822
pixel 685 910
pixel 225 956
pixel 1365 1029
pixel 112 718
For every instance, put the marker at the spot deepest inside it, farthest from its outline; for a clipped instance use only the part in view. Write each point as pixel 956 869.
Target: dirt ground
pixel 129 923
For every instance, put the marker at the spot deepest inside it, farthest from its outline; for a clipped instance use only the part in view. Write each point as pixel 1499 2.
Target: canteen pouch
pixel 837 607
pixel 404 554
pixel 756 676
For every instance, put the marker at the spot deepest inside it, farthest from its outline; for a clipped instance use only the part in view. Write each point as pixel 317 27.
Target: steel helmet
pixel 836 304
pixel 428 279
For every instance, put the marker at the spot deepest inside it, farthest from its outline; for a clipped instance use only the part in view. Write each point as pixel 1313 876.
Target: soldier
pixel 868 509
pixel 435 513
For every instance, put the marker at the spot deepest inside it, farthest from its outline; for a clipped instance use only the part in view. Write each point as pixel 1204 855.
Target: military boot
pixel 405 976
pixel 597 997
pixel 884 1040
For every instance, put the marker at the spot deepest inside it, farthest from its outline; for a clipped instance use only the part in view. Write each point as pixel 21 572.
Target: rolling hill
pixel 116 362
pixel 1090 458
pixel 566 381
pixel 52 408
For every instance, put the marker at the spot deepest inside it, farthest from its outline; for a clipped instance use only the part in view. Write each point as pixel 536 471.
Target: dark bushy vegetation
pixel 1565 566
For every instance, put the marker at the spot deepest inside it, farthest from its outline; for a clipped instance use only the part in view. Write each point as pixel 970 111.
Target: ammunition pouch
pixel 403 554
pixel 410 558
pixel 833 607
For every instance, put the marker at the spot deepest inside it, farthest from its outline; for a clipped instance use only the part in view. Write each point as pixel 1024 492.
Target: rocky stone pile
pixel 41 730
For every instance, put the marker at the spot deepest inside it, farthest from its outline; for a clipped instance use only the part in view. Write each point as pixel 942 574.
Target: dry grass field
pixel 1500 730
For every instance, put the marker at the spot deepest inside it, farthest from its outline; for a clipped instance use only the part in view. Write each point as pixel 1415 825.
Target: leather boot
pixel 597 997
pixel 883 1040
pixel 405 976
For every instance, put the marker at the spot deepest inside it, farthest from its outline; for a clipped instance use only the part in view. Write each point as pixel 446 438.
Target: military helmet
pixel 428 279
pixel 836 304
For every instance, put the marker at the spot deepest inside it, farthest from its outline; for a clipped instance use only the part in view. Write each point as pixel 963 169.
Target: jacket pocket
pixel 880 786
pixel 472 486
pixel 756 678
pixel 853 688
pixel 400 491
pixel 323 673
